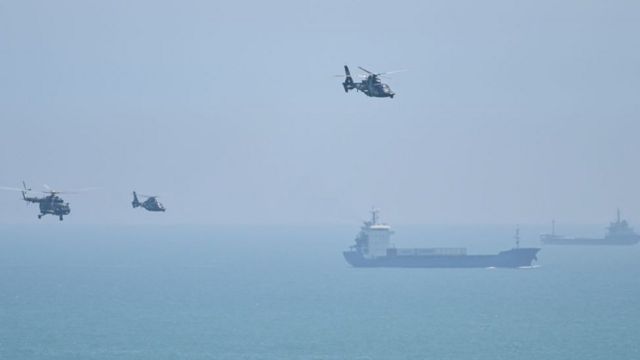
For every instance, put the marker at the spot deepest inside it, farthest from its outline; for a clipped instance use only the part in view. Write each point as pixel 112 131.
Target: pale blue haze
pixel 511 112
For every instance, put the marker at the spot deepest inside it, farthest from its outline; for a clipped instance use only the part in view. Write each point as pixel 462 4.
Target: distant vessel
pixel 618 233
pixel 372 249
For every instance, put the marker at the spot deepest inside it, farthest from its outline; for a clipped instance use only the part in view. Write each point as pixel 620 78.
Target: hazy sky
pixel 511 111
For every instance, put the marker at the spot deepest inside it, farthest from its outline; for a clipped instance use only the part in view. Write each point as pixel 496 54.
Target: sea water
pixel 285 292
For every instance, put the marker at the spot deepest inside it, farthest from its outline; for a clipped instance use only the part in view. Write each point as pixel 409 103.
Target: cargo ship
pixel 618 233
pixel 372 249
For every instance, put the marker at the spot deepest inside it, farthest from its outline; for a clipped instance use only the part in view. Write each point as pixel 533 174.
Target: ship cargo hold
pixel 372 249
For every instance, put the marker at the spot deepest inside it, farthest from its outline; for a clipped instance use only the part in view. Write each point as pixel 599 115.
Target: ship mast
pixel 517 237
pixel 374 215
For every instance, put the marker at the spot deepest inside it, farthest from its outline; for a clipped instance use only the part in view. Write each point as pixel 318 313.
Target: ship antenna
pixel 374 215
pixel 517 236
pixel 618 213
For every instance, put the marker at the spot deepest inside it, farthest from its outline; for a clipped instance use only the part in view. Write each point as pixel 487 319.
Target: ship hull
pixel 590 241
pixel 514 258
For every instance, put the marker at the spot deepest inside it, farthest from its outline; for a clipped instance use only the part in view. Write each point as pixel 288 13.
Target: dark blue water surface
pixel 188 292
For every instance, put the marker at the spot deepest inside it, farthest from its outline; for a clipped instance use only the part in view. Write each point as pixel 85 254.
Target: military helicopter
pixel 151 204
pixel 51 204
pixel 371 85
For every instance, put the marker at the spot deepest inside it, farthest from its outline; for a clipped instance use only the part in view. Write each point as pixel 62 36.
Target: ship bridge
pixel 376 237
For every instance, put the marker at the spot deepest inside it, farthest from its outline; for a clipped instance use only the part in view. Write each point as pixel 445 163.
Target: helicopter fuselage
pixel 370 86
pixel 151 204
pixel 373 87
pixel 50 205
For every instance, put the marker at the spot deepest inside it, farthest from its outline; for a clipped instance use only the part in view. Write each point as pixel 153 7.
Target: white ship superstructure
pixel 374 238
pixel 373 249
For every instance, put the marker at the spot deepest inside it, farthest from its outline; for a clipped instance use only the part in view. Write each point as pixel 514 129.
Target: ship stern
pixel 354 258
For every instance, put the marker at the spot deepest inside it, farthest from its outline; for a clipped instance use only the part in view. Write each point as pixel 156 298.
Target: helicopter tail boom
pixel 25 191
pixel 348 82
pixel 135 203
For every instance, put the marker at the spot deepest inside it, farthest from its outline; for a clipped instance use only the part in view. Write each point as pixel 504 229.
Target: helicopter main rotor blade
pixel 365 70
pixel 148 196
pixel 49 190
pixel 8 188
pixel 85 189
pixel 75 191
pixel 392 72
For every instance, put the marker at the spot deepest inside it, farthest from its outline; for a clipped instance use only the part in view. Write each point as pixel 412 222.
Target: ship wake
pixel 530 267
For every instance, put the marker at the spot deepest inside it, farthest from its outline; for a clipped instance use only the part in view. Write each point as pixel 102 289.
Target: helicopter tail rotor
pixel 25 191
pixel 348 82
pixel 135 203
